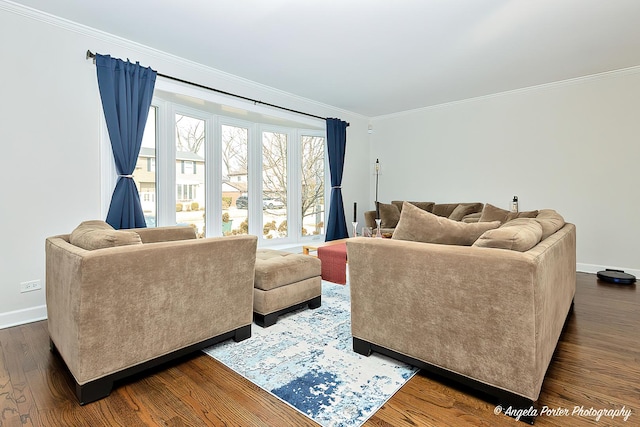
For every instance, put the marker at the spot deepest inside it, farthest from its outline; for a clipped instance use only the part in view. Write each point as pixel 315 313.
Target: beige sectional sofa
pixel 390 213
pixel 488 314
pixel 119 302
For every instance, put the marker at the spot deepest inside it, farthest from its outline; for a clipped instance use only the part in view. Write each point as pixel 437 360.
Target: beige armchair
pixel 116 311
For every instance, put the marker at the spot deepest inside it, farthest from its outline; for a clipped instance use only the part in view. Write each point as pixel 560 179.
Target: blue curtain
pixel 126 90
pixel 336 146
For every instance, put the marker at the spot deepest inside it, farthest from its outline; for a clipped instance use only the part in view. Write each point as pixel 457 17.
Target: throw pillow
pixel 420 226
pixel 462 210
pixel 519 234
pixel 472 217
pixel 398 204
pixel 550 220
pixel 425 206
pixel 92 235
pixel 389 214
pixel 494 213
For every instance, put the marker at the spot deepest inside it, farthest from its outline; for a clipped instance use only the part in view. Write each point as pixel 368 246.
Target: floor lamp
pixel 378 220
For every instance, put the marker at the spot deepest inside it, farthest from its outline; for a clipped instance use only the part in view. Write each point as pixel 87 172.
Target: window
pixel 227 171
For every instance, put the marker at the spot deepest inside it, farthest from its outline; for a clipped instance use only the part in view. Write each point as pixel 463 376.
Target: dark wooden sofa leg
pixel 94 390
pixel 265 320
pixel 519 408
pixel 315 302
pixel 242 333
pixel 362 347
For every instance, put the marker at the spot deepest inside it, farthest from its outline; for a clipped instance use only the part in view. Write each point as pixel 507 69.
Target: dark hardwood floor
pixel 597 365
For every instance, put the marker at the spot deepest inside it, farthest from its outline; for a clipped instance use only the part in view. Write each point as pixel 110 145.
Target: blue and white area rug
pixel 306 359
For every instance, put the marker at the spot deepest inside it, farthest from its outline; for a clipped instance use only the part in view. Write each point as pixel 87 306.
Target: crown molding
pixel 87 31
pixel 560 83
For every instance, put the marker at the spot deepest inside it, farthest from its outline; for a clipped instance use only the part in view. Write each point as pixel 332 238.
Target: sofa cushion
pixel 389 214
pixel 168 233
pixel 98 234
pixel 520 234
pixel 279 268
pixel 420 226
pixel 494 213
pixel 550 220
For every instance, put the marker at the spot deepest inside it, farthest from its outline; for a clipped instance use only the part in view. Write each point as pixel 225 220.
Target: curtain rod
pixel 255 101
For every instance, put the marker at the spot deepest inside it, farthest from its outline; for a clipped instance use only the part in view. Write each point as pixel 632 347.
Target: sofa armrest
pixel 117 307
pixel 555 258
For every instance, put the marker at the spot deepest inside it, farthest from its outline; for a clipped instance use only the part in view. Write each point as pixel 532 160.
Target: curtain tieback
pixel 125 176
pixel 339 187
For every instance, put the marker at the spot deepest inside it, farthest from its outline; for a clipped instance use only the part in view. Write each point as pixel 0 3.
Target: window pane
pixel 274 185
pixel 312 185
pixel 190 187
pixel 235 206
pixel 145 173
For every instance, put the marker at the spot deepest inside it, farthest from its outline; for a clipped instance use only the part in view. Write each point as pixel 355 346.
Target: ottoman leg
pixel 315 302
pixel 265 321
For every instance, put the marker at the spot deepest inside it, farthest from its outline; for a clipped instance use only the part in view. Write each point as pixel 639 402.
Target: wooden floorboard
pixel 596 365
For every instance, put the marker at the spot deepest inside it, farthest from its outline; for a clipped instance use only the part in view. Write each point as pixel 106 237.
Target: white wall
pixel 50 121
pixel 572 146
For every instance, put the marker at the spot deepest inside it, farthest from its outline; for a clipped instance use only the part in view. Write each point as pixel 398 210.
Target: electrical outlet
pixel 31 285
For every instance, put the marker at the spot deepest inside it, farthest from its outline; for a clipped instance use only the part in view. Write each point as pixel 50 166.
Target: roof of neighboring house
pixel 238 172
pixel 240 186
pixel 233 187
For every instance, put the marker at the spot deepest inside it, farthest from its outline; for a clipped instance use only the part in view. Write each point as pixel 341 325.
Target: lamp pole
pixel 377 171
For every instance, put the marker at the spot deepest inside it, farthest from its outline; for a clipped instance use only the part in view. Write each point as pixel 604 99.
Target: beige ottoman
pixel 284 282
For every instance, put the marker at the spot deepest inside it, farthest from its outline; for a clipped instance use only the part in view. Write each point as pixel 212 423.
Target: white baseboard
pixel 20 317
pixel 592 268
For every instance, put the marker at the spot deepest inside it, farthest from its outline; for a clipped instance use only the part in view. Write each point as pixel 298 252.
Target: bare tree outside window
pixel 274 184
pixel 274 165
pixel 189 134
pixel 234 149
pixel 312 185
pixel 235 177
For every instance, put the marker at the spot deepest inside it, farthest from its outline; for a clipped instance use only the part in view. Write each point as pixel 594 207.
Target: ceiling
pixel 376 57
